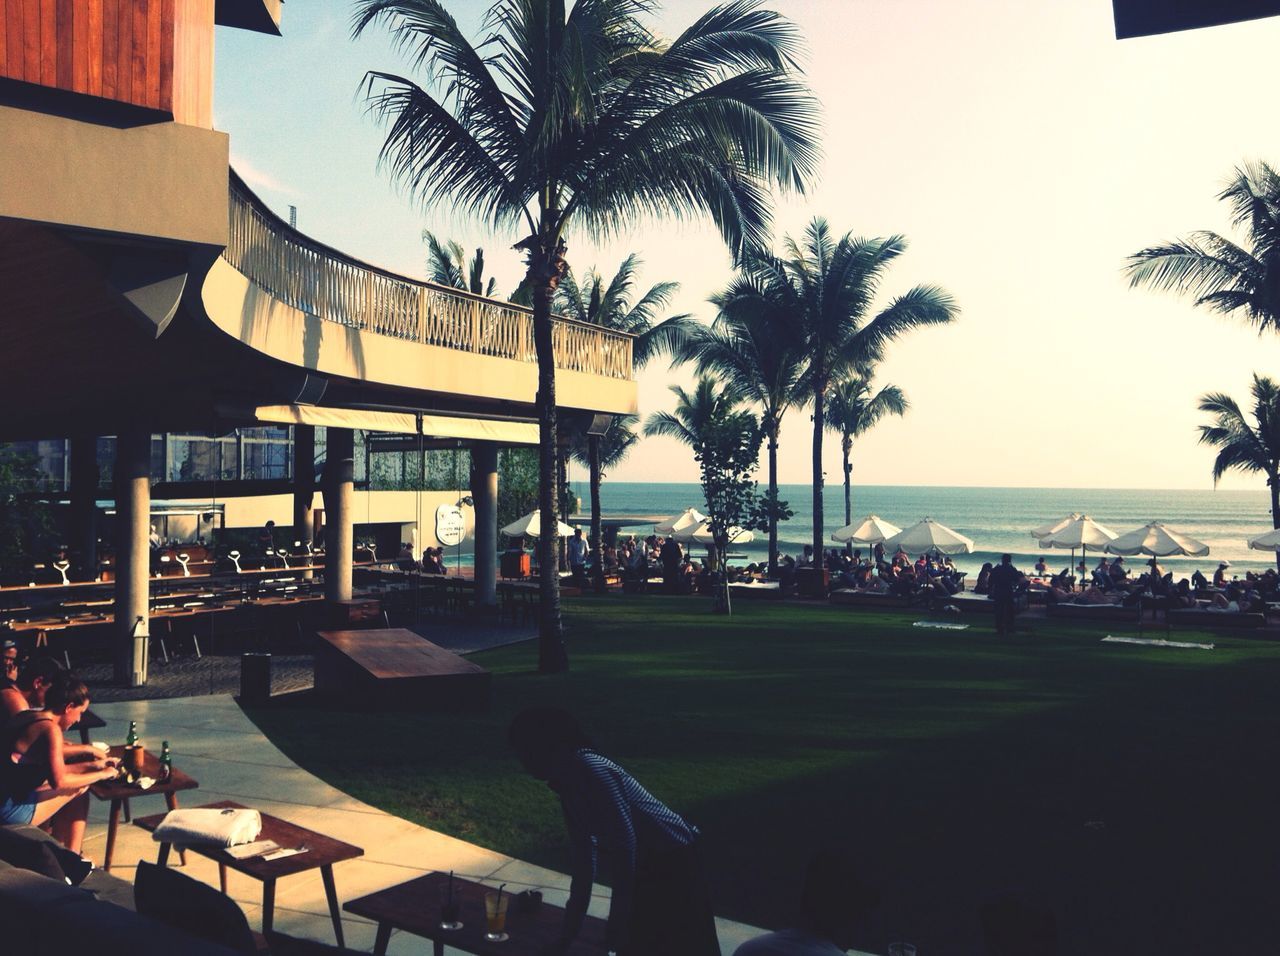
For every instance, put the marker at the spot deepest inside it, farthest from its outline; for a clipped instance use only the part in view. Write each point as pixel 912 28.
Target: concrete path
pixel 214 742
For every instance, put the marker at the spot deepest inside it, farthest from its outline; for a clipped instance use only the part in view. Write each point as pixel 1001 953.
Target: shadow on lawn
pixel 1131 788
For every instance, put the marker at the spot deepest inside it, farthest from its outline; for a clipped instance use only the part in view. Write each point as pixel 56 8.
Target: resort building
pixel 149 298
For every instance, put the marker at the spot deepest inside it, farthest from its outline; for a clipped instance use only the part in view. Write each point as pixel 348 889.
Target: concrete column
pixel 484 493
pixel 83 486
pixel 133 555
pixel 304 483
pixel 339 533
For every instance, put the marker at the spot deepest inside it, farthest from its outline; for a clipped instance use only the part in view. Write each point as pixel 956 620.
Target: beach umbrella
pixel 701 534
pixel 1081 532
pixel 870 530
pixel 530 526
pixel 1266 542
pixel 1047 529
pixel 929 535
pixel 1158 541
pixel 689 518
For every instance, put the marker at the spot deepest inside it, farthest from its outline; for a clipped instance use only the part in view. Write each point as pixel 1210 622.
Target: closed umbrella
pixel 689 518
pixel 869 530
pixel 929 535
pixel 530 526
pixel 1079 532
pixel 1158 541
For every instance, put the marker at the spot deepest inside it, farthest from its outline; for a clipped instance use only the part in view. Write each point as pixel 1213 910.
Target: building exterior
pixel 146 291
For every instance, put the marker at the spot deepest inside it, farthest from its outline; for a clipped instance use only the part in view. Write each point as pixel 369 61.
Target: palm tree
pixel 447 265
pixel 610 305
pixel 694 411
pixel 599 453
pixel 855 411
pixel 758 357
pixel 1218 274
pixel 581 116
pixel 1243 445
pixel 822 291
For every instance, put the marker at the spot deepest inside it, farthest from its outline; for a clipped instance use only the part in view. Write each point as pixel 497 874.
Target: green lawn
pixel 953 766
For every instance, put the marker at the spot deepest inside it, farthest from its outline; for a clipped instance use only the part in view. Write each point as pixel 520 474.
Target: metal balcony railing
pixel 319 280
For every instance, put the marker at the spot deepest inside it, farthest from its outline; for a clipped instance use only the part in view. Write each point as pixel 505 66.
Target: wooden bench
pixel 1095 612
pixel 851 598
pixel 396 669
pixel 1247 620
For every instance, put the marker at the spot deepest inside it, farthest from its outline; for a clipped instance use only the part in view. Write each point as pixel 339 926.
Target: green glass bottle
pixel 166 762
pixel 132 738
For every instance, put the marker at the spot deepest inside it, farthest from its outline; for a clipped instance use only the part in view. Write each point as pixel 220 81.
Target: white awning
pixel 403 423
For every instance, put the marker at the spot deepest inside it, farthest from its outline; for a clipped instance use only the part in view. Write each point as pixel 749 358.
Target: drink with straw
pixel 495 915
pixel 450 909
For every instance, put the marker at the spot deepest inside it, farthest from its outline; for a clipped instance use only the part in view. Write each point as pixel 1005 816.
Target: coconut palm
pixel 822 291
pixel 447 265
pixel 695 410
pixel 580 116
pixel 854 411
pixel 600 453
pixel 1244 445
pixel 1217 273
pixel 757 355
pixel 609 304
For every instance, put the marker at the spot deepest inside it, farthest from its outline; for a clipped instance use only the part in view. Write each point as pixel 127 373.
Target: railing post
pixel 475 326
pixel 422 315
pixel 522 337
pixel 368 300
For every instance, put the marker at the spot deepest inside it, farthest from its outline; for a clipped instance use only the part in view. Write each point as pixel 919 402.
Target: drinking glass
pixel 495 916
pixel 902 949
pixel 450 909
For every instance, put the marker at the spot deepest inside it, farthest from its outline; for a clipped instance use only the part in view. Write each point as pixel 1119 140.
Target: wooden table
pixel 396 668
pixel 414 907
pixel 119 793
pixel 322 853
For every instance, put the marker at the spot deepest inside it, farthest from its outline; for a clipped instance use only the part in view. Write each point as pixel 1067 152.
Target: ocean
pixel 998 520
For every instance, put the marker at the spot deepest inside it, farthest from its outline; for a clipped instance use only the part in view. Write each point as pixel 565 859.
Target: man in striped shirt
pixel 660 903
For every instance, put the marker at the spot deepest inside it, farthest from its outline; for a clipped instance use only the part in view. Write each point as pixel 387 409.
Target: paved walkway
pixel 214 742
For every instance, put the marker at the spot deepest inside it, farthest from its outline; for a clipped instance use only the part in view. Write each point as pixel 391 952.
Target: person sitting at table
pixel 431 563
pixel 404 560
pixel 28 690
pixel 660 903
pixel 1102 574
pixel 1198 580
pixel 834 902
pixel 36 785
pixel 1180 595
pixel 983 584
pixel 1118 573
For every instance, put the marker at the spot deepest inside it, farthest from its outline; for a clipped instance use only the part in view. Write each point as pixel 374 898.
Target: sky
pixel 1022 150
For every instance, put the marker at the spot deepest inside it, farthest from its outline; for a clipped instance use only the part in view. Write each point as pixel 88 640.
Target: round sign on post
pixel 451 527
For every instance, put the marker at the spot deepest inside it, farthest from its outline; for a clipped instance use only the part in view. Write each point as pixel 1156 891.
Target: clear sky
pixel 1022 150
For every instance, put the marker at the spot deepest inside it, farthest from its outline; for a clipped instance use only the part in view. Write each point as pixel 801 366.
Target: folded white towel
pixel 207 826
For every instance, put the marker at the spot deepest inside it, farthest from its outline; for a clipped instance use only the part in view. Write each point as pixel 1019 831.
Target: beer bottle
pixel 166 762
pixel 132 739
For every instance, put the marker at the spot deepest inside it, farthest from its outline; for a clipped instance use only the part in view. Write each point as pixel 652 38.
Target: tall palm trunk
pixel 846 449
pixel 546 266
pixel 1273 485
pixel 773 498
pixel 819 425
pixel 597 556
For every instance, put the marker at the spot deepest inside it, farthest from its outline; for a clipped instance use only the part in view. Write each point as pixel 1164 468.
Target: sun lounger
pixel 852 598
pixel 1093 612
pixel 756 590
pixel 1233 619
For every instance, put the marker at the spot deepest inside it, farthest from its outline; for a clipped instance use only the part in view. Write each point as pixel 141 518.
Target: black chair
pixel 185 904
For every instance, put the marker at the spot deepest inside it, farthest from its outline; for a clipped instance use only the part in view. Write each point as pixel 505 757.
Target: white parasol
pixel 689 518
pixel 701 534
pixel 1158 541
pixel 1266 542
pixel 929 535
pixel 1080 531
pixel 870 530
pixel 530 526
pixel 1045 530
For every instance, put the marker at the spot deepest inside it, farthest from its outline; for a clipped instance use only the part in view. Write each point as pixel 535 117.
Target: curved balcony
pixel 327 284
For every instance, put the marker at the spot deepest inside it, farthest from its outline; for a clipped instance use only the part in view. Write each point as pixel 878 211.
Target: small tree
pixel 727 448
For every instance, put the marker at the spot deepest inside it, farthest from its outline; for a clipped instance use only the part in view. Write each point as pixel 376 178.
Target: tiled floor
pixel 215 743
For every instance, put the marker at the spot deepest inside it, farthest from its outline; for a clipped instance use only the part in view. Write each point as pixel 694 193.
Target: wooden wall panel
pixel 193 59
pixel 119 49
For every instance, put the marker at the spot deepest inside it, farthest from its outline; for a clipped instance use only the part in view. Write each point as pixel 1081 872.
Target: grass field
pixel 1133 789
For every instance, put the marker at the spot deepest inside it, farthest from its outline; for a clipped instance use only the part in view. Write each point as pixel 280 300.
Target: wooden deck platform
pixel 396 669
